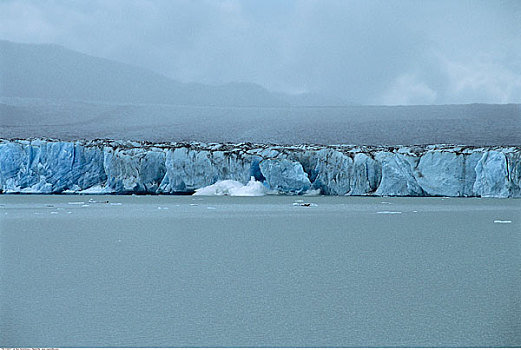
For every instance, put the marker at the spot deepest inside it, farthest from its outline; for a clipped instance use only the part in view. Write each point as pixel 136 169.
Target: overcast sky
pixel 369 52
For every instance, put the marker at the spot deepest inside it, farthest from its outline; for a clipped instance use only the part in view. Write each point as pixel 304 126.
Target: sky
pixel 364 52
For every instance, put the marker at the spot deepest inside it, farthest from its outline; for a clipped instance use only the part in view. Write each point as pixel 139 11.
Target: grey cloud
pixel 370 52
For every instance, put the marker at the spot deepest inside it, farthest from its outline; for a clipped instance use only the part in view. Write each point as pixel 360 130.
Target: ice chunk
pixel 332 172
pixel 304 204
pixel 502 221
pixel 285 176
pixel 398 175
pixel 97 189
pixel 492 175
pixel 233 188
pixel 441 173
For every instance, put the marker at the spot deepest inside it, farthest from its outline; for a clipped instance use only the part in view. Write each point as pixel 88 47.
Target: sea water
pixel 155 271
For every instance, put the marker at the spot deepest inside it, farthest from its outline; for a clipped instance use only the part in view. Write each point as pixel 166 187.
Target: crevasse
pixel 50 166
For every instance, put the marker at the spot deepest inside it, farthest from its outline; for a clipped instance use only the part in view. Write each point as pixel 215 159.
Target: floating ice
pixel 502 221
pixel 233 188
pixel 304 204
pixel 388 212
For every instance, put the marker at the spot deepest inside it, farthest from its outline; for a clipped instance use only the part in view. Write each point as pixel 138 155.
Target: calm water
pixel 184 271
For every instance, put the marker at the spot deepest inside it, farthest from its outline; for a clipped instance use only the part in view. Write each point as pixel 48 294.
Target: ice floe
pixel 502 221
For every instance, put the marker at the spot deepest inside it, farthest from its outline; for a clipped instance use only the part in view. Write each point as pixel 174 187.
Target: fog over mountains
pixel 50 91
pixel 52 71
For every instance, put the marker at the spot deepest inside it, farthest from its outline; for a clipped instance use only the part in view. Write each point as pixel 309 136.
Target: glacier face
pixel 49 166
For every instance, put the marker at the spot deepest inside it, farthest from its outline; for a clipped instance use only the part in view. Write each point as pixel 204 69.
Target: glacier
pixel 125 167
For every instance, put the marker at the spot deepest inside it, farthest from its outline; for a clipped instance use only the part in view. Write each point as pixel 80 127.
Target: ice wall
pixel 49 166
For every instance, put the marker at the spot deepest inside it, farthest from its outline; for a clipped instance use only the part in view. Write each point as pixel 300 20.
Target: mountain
pixel 50 91
pixel 53 72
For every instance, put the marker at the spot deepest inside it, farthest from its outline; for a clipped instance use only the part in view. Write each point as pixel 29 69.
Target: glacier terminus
pixel 125 167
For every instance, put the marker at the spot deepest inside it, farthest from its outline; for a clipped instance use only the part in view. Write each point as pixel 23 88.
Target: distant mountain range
pixel 50 91
pixel 53 72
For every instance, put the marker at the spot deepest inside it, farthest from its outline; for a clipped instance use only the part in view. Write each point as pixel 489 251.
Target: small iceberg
pixel 233 188
pixel 304 204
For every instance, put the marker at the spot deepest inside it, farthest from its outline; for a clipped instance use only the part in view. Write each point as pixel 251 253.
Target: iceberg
pixel 126 167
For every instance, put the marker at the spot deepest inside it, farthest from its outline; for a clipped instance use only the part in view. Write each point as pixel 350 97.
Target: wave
pixel 253 188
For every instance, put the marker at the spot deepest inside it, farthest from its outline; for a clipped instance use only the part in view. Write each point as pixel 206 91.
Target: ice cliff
pixel 50 166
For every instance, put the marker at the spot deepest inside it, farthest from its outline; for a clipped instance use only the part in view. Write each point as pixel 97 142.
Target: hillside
pixel 54 72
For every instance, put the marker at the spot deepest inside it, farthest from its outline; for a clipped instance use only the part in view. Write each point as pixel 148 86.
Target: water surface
pixel 133 271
